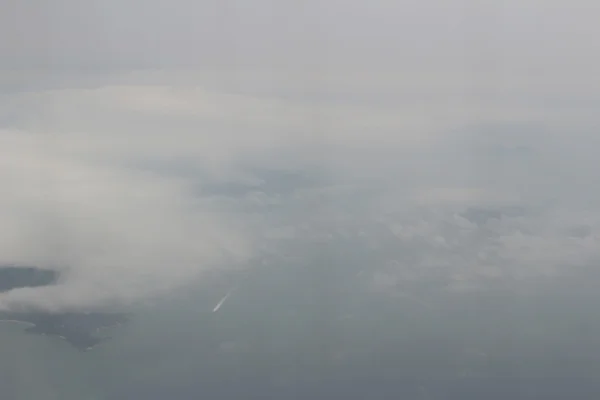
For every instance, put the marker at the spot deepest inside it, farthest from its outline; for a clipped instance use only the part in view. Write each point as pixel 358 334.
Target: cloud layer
pixel 135 184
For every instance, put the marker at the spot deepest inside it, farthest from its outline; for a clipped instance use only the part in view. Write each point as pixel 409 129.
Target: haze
pixel 120 120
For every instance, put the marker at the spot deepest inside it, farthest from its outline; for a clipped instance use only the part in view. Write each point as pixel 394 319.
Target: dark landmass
pixel 12 277
pixel 80 329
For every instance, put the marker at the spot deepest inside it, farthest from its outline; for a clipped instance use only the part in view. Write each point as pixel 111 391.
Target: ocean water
pixel 277 336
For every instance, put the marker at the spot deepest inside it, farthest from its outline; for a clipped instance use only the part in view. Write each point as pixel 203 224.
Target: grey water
pixel 282 334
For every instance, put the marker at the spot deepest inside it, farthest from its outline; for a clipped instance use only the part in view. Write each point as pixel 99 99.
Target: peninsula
pixel 81 329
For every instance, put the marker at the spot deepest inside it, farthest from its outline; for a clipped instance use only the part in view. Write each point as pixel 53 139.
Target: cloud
pixel 135 184
pixel 116 234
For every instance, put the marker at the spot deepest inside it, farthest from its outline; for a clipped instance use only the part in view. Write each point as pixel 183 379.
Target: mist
pixel 143 147
pixel 129 190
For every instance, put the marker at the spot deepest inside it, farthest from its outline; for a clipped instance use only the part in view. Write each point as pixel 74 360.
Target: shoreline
pixel 16 321
pixel 60 337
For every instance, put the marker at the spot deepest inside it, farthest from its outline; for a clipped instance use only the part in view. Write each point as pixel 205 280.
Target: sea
pixel 283 335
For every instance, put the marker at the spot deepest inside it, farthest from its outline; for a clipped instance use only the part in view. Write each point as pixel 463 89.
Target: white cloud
pixel 111 181
pixel 116 234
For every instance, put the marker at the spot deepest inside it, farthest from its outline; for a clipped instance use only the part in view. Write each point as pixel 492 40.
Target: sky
pixel 147 144
pixel 529 35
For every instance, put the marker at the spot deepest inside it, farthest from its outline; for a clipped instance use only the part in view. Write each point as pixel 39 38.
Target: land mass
pixel 80 329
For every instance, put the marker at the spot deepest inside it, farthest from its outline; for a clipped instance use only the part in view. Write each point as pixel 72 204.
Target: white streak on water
pixel 220 303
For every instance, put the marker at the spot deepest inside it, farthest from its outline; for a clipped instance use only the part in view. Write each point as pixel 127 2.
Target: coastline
pixel 16 321
pixel 60 337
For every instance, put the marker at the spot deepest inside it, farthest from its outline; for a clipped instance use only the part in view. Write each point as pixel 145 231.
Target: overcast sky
pixel 118 118
pixel 472 33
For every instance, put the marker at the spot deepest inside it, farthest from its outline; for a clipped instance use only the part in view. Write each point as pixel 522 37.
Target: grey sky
pixel 513 34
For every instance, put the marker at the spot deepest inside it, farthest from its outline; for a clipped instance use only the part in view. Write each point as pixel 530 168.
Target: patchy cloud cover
pixel 134 189
pixel 143 146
